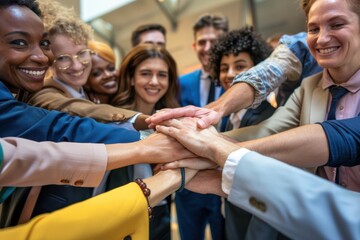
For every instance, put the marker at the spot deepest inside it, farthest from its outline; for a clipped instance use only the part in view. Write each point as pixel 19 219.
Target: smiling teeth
pixel 328 50
pixel 77 74
pixel 34 73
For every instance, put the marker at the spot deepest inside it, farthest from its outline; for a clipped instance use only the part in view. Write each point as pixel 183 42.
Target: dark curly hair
pixel 31 4
pixel 236 41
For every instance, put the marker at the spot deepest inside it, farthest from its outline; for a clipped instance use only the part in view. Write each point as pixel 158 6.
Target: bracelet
pixel 182 185
pixel 146 191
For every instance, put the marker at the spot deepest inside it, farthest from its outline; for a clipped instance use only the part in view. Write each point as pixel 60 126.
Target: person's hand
pixel 212 178
pixel 193 163
pixel 207 143
pixel 159 148
pixel 206 117
pixel 187 133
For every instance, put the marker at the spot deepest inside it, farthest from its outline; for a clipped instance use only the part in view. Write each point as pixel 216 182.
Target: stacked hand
pixel 207 144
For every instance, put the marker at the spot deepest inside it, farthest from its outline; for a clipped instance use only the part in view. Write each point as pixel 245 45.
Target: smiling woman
pixel 24 59
pixel 148 80
pixel 103 82
pixel 63 88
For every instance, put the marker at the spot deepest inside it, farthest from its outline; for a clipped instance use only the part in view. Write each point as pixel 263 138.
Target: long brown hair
pixel 125 97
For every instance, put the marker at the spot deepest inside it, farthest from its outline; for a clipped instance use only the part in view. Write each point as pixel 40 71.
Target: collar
pixel 71 90
pixel 352 85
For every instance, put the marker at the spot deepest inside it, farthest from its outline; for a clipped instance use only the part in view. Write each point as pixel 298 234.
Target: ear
pixel 132 82
pixel 193 46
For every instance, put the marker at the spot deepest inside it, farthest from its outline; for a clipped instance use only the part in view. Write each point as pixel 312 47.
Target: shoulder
pixel 312 81
pixel 191 76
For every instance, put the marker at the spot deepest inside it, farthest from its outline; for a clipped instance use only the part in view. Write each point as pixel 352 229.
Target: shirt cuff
pixel 133 118
pixel 230 168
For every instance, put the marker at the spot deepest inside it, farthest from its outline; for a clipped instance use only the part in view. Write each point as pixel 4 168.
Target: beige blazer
pixel 29 163
pixel 307 105
pixel 53 96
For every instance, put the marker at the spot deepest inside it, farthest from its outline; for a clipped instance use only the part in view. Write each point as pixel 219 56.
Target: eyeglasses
pixel 65 61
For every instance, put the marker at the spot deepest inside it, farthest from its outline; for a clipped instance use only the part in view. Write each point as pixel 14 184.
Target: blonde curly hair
pixel 59 19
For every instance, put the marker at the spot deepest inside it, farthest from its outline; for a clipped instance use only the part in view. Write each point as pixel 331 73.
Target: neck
pixel 101 98
pixel 341 75
pixel 145 108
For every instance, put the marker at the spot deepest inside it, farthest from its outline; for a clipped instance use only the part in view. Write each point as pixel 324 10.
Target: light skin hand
pixel 207 143
pixel 166 182
pixel 193 163
pixel 239 96
pixel 212 178
pixel 159 148
pixel 206 117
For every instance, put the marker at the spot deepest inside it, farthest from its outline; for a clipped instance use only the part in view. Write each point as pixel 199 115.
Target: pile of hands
pixel 186 138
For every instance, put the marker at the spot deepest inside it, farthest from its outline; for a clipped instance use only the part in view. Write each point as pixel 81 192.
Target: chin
pixel 33 88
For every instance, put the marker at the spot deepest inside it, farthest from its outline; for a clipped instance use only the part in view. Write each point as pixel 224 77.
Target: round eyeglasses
pixel 65 61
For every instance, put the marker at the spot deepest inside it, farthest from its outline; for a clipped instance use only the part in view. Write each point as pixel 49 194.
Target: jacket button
pixel 65 181
pixel 79 183
pixel 257 204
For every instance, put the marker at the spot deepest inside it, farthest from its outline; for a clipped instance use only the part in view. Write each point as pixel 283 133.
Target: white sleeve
pixel 230 167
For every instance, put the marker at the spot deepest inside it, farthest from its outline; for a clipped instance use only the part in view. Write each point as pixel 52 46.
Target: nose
pixel 323 36
pixel 154 80
pixel 207 45
pixel 231 73
pixel 39 56
pixel 76 64
pixel 108 74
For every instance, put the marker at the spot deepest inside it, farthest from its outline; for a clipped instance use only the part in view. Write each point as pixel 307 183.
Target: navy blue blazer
pixel 18 119
pixel 190 88
pixel 190 92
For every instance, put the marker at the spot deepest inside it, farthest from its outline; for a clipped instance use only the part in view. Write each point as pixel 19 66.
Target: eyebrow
pixel 329 20
pixel 237 61
pixel 240 61
pixel 45 34
pixel 17 32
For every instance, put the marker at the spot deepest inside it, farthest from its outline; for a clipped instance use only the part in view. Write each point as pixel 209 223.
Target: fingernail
pixel 201 123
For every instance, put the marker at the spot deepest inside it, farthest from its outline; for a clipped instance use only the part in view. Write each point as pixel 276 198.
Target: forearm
pixel 52 99
pixel 124 154
pixel 279 187
pixel 265 77
pixel 239 96
pixel 115 215
pixel 40 163
pixel 305 146
pixel 165 183
pixel 140 123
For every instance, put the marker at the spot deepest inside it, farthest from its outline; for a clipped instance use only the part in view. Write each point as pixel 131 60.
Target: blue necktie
pixel 211 96
pixel 337 92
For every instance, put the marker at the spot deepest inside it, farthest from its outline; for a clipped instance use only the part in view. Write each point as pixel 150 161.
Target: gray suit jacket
pixel 298 204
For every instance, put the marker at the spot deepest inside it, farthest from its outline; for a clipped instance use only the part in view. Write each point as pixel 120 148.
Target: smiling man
pixel 195 210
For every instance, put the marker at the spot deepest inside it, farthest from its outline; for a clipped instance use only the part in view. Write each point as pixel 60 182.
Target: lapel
pixel 318 105
pixel 51 83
